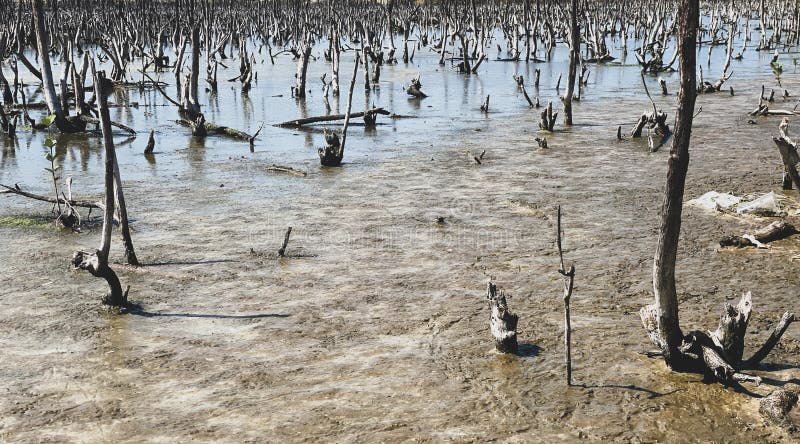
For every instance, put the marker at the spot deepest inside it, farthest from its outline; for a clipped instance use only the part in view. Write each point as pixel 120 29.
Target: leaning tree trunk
pixel 130 253
pixel 574 53
pixel 666 298
pixel 97 263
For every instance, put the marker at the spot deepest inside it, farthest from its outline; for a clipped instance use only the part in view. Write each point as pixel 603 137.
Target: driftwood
pixel 777 230
pixel 205 128
pixel 330 118
pixel 125 128
pixel 503 323
pixel 285 170
pixel 72 202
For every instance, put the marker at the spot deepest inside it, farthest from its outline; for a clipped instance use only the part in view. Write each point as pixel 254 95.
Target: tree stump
pixel 503 323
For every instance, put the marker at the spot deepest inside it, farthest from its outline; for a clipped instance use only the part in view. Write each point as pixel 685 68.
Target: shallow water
pixel 375 327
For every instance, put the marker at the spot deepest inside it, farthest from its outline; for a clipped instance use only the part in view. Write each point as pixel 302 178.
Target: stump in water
pixel 503 323
pixel 282 250
pixel 333 153
pixel 415 89
pixel 548 118
pixel 151 144
pixel 663 84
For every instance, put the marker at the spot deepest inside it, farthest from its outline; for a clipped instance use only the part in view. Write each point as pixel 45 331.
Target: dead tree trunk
pixel 789 156
pixel 48 83
pixel 666 298
pixel 190 101
pixel 130 253
pixel 97 263
pixel 574 54
pixel 548 121
pixel 503 323
pixel 302 69
pixel 718 354
pixel 333 153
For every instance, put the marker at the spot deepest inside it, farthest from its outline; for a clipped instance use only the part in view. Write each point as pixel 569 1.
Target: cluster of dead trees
pixel 718 354
pixel 213 33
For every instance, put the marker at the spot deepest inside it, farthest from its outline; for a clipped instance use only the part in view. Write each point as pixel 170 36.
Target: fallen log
pixel 220 130
pixel 775 231
pixel 329 118
pixel 285 170
pixel 72 202
pixel 125 128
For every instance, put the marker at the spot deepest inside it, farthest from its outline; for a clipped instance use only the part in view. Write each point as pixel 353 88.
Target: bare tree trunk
pixel 97 263
pixel 574 53
pixel 191 101
pixel 48 84
pixel 130 253
pixel 336 53
pixel 302 69
pixel 669 232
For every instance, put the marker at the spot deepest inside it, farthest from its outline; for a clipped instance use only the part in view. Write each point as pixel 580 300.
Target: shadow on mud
pixel 148 314
pixel 528 350
pixel 653 394
pixel 213 261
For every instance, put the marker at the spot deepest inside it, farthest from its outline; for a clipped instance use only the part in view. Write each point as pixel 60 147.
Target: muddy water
pixel 375 327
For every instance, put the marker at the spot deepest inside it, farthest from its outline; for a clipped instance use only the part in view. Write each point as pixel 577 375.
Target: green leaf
pixel 49 157
pixel 49 170
pixel 48 120
pixel 49 142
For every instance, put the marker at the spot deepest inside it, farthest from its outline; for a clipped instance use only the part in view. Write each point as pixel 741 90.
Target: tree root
pixel 92 263
pixel 718 354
